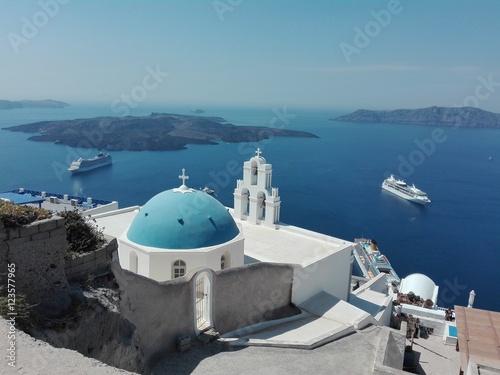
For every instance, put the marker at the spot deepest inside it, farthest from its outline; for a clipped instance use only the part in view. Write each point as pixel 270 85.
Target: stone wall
pixel 164 311
pixel 37 250
pixel 251 294
pixel 160 312
pixel 93 263
pixel 390 352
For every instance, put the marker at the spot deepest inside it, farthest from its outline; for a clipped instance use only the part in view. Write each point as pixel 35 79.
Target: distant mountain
pixel 158 131
pixel 9 104
pixel 467 117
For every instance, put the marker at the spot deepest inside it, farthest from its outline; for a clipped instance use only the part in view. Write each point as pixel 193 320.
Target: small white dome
pixel 419 284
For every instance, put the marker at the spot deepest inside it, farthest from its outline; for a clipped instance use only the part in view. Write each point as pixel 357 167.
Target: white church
pixel 185 230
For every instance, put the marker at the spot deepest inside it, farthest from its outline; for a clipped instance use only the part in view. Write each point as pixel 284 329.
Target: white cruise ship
pixel 371 262
pixel 403 190
pixel 84 165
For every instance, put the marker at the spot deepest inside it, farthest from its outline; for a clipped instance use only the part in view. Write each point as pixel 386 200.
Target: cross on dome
pixel 258 152
pixel 183 177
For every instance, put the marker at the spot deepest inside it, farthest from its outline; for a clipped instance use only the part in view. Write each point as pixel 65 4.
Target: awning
pixel 21 198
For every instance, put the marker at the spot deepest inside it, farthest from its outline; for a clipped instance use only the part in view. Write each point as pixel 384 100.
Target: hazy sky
pixel 330 54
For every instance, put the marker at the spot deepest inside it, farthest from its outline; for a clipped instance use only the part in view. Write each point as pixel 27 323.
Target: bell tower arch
pixel 255 200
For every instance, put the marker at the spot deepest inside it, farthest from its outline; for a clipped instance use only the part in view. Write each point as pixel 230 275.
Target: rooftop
pixel 296 245
pixel 57 202
pixel 262 244
pixel 478 338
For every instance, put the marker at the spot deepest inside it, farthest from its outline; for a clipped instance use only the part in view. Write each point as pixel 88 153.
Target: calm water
pixel 330 185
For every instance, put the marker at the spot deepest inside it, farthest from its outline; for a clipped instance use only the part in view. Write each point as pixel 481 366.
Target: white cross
pixel 258 152
pixel 183 177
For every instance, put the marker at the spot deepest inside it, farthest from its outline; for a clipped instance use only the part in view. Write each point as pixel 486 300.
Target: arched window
pixel 261 206
pixel 178 269
pixel 254 173
pixel 245 197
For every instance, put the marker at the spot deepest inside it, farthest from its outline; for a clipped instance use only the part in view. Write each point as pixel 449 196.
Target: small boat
pixel 208 191
pixel 84 165
pixel 403 190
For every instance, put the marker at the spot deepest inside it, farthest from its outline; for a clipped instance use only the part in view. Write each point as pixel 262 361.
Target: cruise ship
pixel 403 190
pixel 372 263
pixel 84 165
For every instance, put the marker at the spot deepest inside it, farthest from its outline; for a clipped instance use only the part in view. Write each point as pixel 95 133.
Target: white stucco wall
pixel 113 206
pixel 157 263
pixel 372 297
pixel 330 274
pixel 124 250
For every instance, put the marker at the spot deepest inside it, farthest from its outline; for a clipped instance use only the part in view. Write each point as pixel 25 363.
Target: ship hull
pixel 85 165
pixel 86 169
pixel 403 195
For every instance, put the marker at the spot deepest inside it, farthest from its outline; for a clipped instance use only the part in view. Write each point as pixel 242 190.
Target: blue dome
pixel 177 219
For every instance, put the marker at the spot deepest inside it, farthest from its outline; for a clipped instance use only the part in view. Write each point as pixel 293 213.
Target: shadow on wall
pixel 164 311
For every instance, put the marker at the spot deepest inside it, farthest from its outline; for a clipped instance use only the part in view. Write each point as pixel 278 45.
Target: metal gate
pixel 202 303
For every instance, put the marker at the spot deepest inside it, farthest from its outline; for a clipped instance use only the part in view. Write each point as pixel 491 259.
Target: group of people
pixel 449 315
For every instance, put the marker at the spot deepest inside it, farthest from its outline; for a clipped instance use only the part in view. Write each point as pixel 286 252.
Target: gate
pixel 202 302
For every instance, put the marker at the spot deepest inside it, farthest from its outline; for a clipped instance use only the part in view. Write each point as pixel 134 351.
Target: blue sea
pixel 330 184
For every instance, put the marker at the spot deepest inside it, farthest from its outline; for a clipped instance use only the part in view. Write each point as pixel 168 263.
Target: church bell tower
pixel 255 200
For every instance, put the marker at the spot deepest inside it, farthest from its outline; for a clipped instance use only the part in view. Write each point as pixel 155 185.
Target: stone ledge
pixel 95 262
pixel 59 231
pixel 390 352
pixel 19 240
pixel 29 229
pixel 78 268
pixel 40 236
pixel 12 233
pixel 59 221
pixel 88 257
pixel 101 255
pixel 74 261
pixel 46 225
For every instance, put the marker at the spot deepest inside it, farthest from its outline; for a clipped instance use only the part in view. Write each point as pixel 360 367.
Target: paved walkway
pixel 436 358
pixel 352 355
pixel 305 333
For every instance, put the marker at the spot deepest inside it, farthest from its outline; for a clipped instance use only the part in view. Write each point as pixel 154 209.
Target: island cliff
pixel 470 117
pixel 158 131
pixel 9 104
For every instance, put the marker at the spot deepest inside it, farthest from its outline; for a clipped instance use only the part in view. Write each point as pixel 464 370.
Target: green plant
pixel 13 215
pixel 83 235
pixel 21 308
